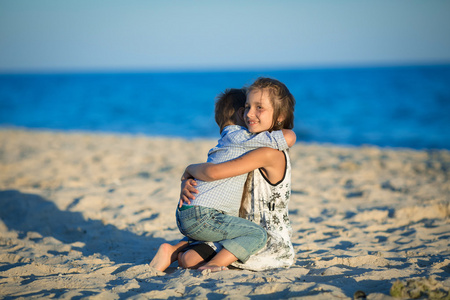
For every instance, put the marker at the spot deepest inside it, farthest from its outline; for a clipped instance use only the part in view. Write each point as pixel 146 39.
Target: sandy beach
pixel 81 216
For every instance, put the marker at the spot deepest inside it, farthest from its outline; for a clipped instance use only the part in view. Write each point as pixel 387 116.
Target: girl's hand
pixel 187 191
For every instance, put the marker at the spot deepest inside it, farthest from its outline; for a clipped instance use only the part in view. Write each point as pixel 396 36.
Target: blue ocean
pixel 384 106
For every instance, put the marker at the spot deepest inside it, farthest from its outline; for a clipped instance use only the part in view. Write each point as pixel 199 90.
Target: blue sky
pixel 143 35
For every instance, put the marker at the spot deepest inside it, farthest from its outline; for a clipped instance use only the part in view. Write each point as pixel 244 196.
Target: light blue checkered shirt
pixel 226 194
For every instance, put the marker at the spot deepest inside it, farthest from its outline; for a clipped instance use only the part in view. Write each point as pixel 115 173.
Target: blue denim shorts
pixel 239 236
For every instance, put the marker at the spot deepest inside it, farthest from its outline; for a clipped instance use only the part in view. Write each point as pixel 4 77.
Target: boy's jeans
pixel 239 236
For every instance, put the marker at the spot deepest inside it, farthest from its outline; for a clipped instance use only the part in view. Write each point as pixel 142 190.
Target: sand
pixel 81 216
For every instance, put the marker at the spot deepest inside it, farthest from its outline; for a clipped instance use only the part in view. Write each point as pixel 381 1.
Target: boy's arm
pixel 289 136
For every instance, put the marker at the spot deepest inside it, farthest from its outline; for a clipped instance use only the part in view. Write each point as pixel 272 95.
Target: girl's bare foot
pixel 212 268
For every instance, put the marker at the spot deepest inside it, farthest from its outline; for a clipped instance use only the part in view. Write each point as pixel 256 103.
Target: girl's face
pixel 258 113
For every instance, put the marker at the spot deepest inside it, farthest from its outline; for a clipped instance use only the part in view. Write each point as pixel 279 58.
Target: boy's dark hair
pixel 282 101
pixel 227 105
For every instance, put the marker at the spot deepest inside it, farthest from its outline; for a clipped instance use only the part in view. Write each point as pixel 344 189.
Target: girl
pixel 269 106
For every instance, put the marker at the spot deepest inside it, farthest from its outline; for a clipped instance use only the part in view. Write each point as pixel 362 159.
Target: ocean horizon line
pixel 262 69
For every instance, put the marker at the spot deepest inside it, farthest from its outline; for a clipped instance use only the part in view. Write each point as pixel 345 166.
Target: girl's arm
pixel 289 136
pixel 266 158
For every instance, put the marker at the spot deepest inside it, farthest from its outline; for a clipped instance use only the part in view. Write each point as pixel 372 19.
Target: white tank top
pixel 268 206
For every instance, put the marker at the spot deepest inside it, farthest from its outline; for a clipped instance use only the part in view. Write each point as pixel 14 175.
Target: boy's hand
pixel 187 191
pixel 186 175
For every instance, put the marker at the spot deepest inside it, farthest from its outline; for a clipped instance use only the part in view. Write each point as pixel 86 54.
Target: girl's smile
pixel 258 112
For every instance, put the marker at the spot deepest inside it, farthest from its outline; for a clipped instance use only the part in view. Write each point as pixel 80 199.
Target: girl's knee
pixel 180 260
pixel 190 260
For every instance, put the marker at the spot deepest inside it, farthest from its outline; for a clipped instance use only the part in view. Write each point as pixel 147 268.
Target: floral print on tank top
pixel 267 205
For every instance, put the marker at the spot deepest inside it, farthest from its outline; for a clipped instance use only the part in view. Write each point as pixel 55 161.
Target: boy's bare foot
pixel 212 268
pixel 165 256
